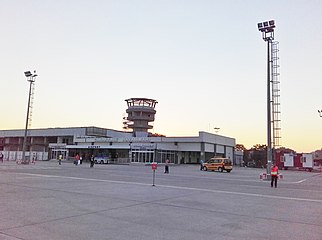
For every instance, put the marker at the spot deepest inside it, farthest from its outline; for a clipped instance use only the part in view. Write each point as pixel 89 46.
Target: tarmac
pixel 47 201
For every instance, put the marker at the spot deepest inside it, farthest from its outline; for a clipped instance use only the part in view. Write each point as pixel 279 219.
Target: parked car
pixel 251 164
pixel 219 164
pixel 101 160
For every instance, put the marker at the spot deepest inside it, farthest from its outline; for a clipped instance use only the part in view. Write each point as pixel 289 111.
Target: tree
pixel 259 147
pixel 240 147
pixel 256 156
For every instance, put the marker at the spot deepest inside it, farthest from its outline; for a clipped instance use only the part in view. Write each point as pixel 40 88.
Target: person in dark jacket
pixel 201 164
pixel 92 161
pixel 166 166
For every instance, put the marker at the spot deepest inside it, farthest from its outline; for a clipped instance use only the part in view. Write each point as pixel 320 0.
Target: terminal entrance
pixel 152 155
pixel 142 156
pixel 56 152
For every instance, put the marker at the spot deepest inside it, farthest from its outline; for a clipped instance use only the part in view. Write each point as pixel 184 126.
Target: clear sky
pixel 204 61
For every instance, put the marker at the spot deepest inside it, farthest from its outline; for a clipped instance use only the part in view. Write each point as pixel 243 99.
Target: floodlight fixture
pixel 267 26
pixel 28 74
pixel 34 75
pixel 267 29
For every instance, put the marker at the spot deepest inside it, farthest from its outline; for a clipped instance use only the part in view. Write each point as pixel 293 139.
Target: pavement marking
pixel 247 194
pixel 181 188
pixel 303 180
pixel 255 179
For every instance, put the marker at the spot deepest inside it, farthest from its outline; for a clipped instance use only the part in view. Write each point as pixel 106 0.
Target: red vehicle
pixel 286 159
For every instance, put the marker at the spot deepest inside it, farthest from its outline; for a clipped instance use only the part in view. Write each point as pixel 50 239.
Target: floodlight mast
pixel 267 29
pixel 31 79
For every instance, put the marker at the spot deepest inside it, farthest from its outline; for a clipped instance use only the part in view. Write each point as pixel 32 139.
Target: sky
pixel 204 61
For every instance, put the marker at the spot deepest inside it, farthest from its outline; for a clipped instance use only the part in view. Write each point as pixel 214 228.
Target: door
pixel 142 156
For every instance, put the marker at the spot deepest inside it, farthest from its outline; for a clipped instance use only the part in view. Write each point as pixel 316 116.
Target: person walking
pixel 1 157
pixel 274 175
pixel 34 158
pixel 166 166
pixel 201 164
pixel 92 161
pixel 76 162
pixel 60 157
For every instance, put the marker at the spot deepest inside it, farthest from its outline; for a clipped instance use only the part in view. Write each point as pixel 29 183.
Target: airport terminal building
pixel 136 146
pixel 120 147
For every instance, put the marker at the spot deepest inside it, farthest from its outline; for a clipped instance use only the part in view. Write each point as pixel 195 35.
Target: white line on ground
pixel 182 188
pixel 303 180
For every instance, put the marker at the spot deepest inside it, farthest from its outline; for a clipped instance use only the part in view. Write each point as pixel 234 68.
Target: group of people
pixel 77 161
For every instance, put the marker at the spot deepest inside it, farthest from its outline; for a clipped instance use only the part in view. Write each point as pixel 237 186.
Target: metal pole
pixel 27 121
pixel 153 180
pixel 267 29
pixel 269 131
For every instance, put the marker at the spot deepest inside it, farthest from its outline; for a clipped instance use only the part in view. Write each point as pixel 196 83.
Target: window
pixel 282 158
pixel 303 160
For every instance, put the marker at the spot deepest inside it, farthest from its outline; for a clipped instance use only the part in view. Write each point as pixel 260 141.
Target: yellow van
pixel 219 164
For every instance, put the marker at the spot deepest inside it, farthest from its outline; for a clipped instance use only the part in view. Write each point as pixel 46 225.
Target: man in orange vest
pixel 274 175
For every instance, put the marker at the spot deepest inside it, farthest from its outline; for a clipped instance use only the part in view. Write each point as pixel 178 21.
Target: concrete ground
pixel 116 202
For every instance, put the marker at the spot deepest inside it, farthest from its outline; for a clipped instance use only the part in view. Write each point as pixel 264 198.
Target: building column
pixel 202 152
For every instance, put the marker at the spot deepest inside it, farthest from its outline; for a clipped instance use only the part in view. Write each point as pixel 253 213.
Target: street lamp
pixel 31 79
pixel 267 29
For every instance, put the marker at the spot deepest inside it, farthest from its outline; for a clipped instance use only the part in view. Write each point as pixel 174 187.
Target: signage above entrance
pixel 129 140
pixel 94 146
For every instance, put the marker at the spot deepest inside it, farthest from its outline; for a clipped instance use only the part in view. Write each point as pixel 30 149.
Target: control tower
pixel 140 112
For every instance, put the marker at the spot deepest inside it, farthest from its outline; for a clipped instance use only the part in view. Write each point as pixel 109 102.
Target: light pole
pixel 31 79
pixel 267 29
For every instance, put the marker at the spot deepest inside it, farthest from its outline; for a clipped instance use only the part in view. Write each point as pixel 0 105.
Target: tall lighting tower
pixel 31 79
pixel 267 29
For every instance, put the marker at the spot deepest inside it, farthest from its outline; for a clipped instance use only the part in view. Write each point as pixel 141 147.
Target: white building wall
pixel 239 155
pixel 308 160
pixel 289 160
pixel 192 147
pixel 230 153
pixel 44 132
pixel 220 149
pixel 218 139
pixel 17 155
pixel 209 147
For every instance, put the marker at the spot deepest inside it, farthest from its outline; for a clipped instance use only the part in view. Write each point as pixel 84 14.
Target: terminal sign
pixel 154 166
